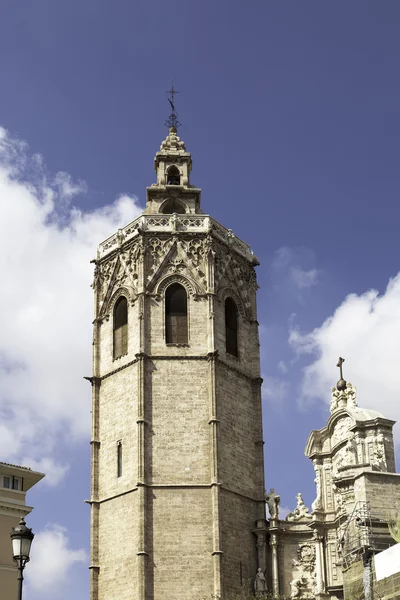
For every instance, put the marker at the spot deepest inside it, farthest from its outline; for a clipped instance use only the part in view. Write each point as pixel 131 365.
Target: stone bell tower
pixel 177 487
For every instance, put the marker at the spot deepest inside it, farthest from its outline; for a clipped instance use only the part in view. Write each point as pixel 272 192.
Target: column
pixel 273 542
pixel 319 564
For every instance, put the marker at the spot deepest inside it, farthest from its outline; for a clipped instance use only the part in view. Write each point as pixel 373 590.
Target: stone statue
pixel 378 457
pixel 317 504
pixel 351 393
pixel 273 500
pixel 300 512
pixel 350 450
pixel 260 584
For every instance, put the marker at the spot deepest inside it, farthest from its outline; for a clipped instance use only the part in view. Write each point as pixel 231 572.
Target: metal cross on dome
pixel 172 120
pixel 339 364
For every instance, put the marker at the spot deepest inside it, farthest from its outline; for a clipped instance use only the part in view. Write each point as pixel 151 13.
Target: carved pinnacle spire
pixel 342 383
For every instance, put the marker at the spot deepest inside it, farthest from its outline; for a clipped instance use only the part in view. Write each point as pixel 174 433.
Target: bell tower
pixel 177 488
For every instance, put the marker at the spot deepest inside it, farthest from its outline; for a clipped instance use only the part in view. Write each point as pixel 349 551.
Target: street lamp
pixel 21 538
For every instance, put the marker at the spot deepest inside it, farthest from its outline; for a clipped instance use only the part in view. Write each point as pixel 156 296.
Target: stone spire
pixel 173 193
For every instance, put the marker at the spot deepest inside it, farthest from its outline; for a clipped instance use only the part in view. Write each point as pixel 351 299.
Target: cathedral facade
pixel 178 502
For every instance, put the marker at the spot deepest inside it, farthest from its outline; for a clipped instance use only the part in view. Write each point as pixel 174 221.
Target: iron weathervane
pixel 172 121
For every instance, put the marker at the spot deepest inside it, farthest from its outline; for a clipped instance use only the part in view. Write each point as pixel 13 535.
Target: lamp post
pixel 21 538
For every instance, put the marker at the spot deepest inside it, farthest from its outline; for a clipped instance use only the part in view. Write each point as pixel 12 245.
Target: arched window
pixel 121 327
pixel 231 327
pixel 176 322
pixel 173 176
pixel 173 206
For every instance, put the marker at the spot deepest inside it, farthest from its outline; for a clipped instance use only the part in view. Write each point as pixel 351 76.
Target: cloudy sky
pixel 291 112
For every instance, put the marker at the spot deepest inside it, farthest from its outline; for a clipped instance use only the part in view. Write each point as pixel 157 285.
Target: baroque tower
pixel 177 485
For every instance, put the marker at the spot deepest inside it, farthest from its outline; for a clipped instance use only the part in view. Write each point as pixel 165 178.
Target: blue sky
pixel 291 112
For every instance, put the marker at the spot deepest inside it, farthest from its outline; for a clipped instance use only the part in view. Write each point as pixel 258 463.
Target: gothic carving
pixel 187 283
pixel 344 399
pixel 173 255
pixel 237 274
pixel 273 500
pixel 300 512
pixel 119 273
pixel 228 292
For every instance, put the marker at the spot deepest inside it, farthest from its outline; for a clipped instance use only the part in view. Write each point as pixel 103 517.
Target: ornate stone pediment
pixel 177 256
pixel 120 272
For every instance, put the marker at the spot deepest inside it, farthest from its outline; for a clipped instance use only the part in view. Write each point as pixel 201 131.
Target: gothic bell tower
pixel 177 453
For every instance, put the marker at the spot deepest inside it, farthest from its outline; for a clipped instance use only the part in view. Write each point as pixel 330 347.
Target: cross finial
pixel 340 363
pixel 342 383
pixel 172 121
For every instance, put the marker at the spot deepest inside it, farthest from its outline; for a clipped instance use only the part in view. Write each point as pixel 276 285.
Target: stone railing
pixel 174 223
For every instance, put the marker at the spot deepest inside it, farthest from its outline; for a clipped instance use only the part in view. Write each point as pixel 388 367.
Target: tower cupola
pixel 173 192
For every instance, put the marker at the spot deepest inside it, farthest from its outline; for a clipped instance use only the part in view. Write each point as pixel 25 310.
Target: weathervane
pixel 172 121
pixel 342 383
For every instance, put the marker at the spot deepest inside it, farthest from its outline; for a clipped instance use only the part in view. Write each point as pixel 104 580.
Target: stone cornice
pixel 174 486
pixel 194 357
pixel 187 223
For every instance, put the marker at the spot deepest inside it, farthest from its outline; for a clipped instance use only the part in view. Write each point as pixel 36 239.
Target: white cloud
pixel 54 471
pixel 303 279
pixel 46 306
pixel 289 265
pixel 282 367
pixel 51 561
pixel 365 330
pixel 274 389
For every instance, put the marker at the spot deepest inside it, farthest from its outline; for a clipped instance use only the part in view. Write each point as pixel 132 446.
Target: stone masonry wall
pixel 118 547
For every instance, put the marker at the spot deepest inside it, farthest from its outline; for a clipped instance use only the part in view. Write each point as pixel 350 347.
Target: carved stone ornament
pixel 299 588
pixel 378 456
pixel 172 255
pixel 306 557
pixel 300 512
pixel 236 273
pixel 303 582
pixel 341 428
pixel 343 398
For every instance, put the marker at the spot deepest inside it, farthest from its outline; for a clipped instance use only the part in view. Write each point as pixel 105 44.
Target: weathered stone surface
pixel 188 416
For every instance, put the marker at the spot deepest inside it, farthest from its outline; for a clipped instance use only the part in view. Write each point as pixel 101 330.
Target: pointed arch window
pixel 231 327
pixel 173 206
pixel 176 321
pixel 120 327
pixel 173 176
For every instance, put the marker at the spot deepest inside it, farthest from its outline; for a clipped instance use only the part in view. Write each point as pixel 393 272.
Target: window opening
pixel 121 327
pixel 176 322
pixel 12 483
pixel 173 206
pixel 231 327
pixel 173 176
